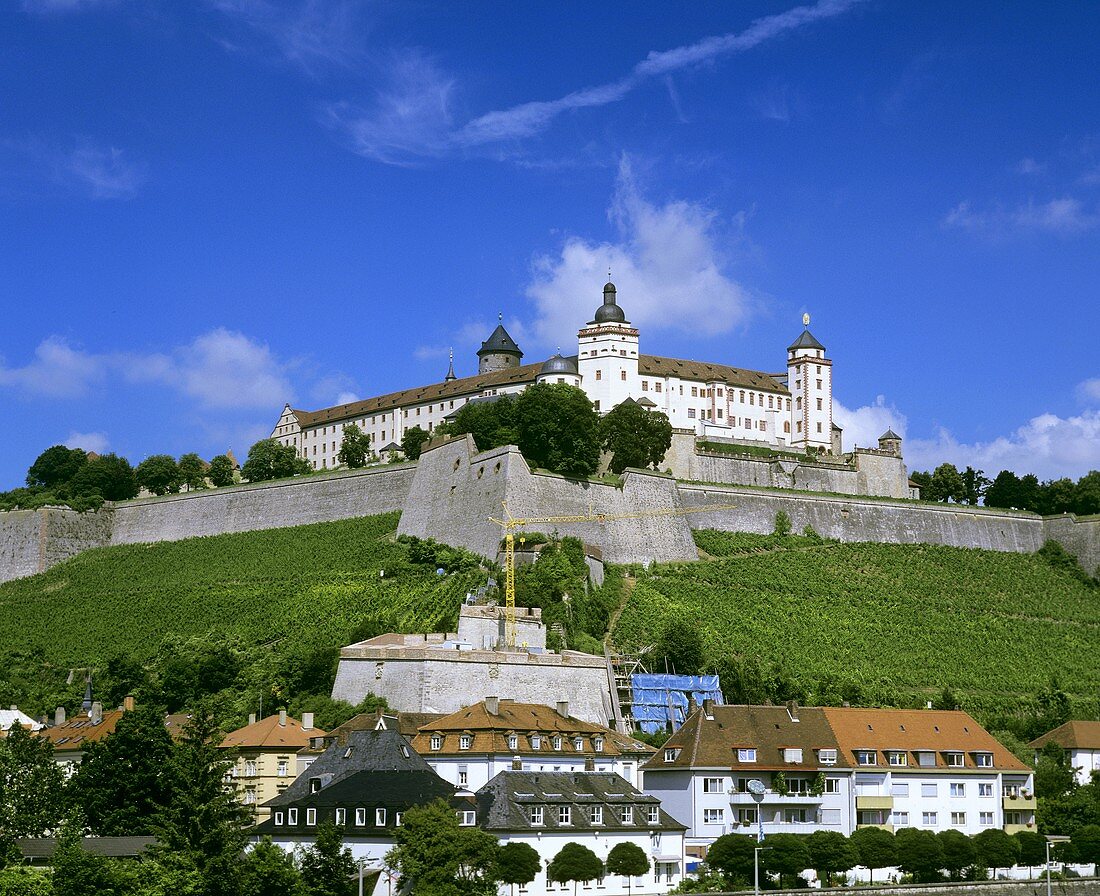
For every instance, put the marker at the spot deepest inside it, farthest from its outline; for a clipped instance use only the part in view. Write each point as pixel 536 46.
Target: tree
pixel 31 786
pixel 558 429
pixel 109 476
pixel 1086 841
pixel 221 471
pixel 192 472
pixel 958 852
pixel 996 849
pixel 947 484
pixel 1054 775
pixel 733 855
pixel 628 860
pixel 354 447
pixel 56 466
pixel 1033 848
pixel 123 781
pixel 22 881
pixel 1004 491
pixel 413 441
pixel 830 853
pixel 159 474
pixel 268 870
pixel 634 436
pixel 435 856
pixel 327 865
pixel 920 853
pixel 80 873
pixel 517 863
pixel 574 863
pixel 782 524
pixel 875 847
pixel 492 423
pixel 681 646
pixel 975 483
pixel 1086 494
pixel 268 459
pixel 786 854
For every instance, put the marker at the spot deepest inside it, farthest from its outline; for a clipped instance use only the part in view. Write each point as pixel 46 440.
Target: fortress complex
pixel 792 410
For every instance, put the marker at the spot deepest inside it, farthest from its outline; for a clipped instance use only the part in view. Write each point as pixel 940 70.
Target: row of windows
pixel 537 814
pixel 930 789
pixel 556 742
pixel 925 758
pixel 929 819
pixel 466 817
pixel 252 768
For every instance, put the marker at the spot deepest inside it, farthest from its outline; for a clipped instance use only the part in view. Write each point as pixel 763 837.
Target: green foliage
pixel 159 474
pixel 680 647
pixel 354 447
pixel 782 524
pixel 831 853
pixel 30 788
pixel 786 854
pixel 920 853
pixel 220 473
pixel 996 849
pixel 56 466
pixel 558 429
pixel 412 443
pixel 1068 812
pixel 574 862
pixel 491 423
pixel 109 476
pixel 327 866
pixel 628 860
pixel 268 459
pixel 875 848
pixel 192 472
pixel 80 873
pixel 1086 841
pixel 517 863
pixel 958 852
pixel 1033 848
pixel 1052 497
pixel 23 881
pixel 429 552
pixel 733 855
pixel 635 437
pixel 268 870
pixel 437 857
pixel 818 607
pixel 1062 560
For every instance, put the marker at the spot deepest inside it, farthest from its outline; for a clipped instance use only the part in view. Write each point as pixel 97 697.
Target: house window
pixel 536 815
pixel 467 818
pixel 314 785
pixel 536 742
pixel 249 796
pixel 597 815
pixel 794 816
pixel 465 741
pixel 901 819
pixel 929 790
pixel 397 816
pixel 341 816
pixel 281 769
pixel 899 789
pixel 958 819
pixel 896 757
pixel 713 785
pixel 746 816
pixel 437 742
pixel 958 790
pixel 928 819
pixel 983 760
pixel 380 818
pixel 278 818
pixel 652 814
pixel 556 742
pixel 954 760
pixel 985 790
pixel 360 817
pixel 746 754
pixel 714 816
pixel 671 754
pixel 250 768
pixel 311 816
pixel 926 759
pixel 578 744
pixel 565 815
pixel 792 754
pixel 292 816
pixel 597 744
pixel 628 815
pixel 866 757
pixel 832 785
pixel 985 819
pixel 513 742
pixel 826 757
pixel 463 776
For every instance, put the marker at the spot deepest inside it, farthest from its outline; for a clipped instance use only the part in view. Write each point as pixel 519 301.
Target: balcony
pixel 885 803
pixel 1016 828
pixel 771 798
pixel 1019 803
pixel 885 827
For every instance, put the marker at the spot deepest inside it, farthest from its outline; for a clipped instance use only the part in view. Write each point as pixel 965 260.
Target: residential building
pixel 405 723
pixel 470 747
pixel 266 754
pixel 836 768
pixel 14 716
pixel 1081 742
pixel 547 810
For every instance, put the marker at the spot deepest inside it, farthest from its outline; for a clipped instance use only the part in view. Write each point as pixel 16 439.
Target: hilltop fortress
pixel 762 442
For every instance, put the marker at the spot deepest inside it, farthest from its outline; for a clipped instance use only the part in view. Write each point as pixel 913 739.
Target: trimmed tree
pixel 1033 849
pixel 634 436
pixel 412 443
pixel 220 473
pixel 159 474
pixel 192 471
pixel 517 863
pixel 831 853
pixel 786 854
pixel 628 860
pixel 1086 840
pixel 354 447
pixel 959 852
pixel 574 863
pixel 919 853
pixel 996 849
pixel 732 855
pixel 875 848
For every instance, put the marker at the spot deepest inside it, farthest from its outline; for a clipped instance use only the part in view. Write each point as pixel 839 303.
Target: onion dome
pixel 609 312
pixel 559 365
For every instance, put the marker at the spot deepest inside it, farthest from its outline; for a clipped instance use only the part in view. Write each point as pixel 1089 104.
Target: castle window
pixel 819 368
pixel 787 426
pixel 819 404
pixel 645 383
pixel 418 412
pixel 719 413
pixel 819 427
pixel 819 384
pixel 622 352
pixel 596 404
pixel 742 396
pixel 800 426
pixel 691 413
pixel 788 407
pixel 694 392
pixel 770 397
pixel 599 374
pixel 622 375
pixel 657 387
pixel 798 403
pixel 752 398
pixel 798 384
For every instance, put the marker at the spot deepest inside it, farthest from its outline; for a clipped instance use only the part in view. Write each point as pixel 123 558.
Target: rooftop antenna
pixel 806 319
pixel 609 273
pixel 500 316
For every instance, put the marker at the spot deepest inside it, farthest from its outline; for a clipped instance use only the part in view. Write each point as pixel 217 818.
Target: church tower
pixel 498 352
pixel 810 380
pixel 607 354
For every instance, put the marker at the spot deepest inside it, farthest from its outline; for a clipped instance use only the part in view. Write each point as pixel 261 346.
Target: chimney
pixel 693 706
pixel 59 716
pixel 590 764
pixel 792 710
pixel 96 713
pixel 563 709
pixel 128 703
pixel 492 706
pixel 14 708
pixel 282 718
pixel 928 705
pixel 307 721
pixel 252 718
pixel 708 708
pixel 517 764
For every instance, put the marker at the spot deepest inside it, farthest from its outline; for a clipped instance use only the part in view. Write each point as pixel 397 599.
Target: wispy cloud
pixel 100 172
pixel 863 425
pixel 61 6
pixel 105 173
pixel 1065 215
pixel 667 256
pixel 1029 167
pixel 1088 392
pixel 89 441
pixel 411 120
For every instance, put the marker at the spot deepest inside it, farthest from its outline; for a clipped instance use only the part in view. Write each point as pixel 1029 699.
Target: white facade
pixel 475 771
pixel 791 410
pixel 1084 762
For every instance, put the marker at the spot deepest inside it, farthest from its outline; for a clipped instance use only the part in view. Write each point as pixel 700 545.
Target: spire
pixel 450 368
pixel 86 705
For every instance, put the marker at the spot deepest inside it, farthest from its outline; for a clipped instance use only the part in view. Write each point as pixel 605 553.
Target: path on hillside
pixel 628 589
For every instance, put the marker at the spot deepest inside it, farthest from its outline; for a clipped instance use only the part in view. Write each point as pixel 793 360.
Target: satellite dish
pixel 756 788
pixel 806 319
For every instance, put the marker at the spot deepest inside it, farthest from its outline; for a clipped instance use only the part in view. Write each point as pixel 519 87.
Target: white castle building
pixel 792 410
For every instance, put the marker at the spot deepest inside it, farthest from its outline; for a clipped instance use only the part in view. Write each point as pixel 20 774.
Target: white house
pixel 1081 742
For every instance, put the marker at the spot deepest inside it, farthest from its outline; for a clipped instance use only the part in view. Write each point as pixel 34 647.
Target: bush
pixel 782 524
pixel 22 881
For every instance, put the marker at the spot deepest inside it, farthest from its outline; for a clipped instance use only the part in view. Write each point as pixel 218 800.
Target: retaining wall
pixel 31 541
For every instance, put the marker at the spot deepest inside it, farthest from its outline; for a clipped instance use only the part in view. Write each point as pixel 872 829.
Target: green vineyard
pixel 899 621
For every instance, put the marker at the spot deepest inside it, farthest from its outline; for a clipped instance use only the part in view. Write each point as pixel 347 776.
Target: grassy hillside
pixel 887 621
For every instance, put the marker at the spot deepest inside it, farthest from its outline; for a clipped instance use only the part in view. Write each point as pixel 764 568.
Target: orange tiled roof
pixel 268 734
pixel 79 731
pixel 1079 734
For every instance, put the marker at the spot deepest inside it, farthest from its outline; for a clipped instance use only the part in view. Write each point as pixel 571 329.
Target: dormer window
pixel 954 760
pixel 597 744
pixel 513 742
pixel 671 754
pixel 278 818
pixel 628 815
pixel 897 758
pixel 465 741
pixel 556 742
pixel 866 757
pixel 746 754
pixel 926 759
pixel 652 814
pixel 792 754
pixel 983 760
pixel 536 742
pixel 437 742
pixel 826 757
pixel 578 744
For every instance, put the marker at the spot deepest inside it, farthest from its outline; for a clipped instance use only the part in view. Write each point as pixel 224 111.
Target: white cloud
pixel 667 256
pixel 1088 392
pixel 410 120
pixel 223 369
pixel 307 33
pixel 1065 215
pixel 89 441
pixel 57 371
pixel 1030 166
pixel 60 6
pixel 105 173
pixel 863 425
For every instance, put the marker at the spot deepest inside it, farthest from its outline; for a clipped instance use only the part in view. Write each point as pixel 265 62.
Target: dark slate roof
pixel 499 342
pixel 609 312
pixel 705 372
pixel 113 847
pixel 558 364
pixel 889 434
pixel 374 751
pixel 806 340
pixel 505 803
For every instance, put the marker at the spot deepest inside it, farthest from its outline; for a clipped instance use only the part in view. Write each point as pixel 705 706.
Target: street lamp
pixel 1050 840
pixel 756 850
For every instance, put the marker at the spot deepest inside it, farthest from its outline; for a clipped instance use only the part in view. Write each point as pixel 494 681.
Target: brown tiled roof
pixel 75 734
pixel 1078 734
pixel 653 365
pixel 268 734
pixel 490 732
pixel 406 723
pixel 916 730
pixel 713 742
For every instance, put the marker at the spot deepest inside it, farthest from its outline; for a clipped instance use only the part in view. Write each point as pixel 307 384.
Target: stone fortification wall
pixel 432 679
pixel 456 490
pixel 31 541
pixel 265 505
pixel 1081 537
pixel 20 534
pixel 1037 887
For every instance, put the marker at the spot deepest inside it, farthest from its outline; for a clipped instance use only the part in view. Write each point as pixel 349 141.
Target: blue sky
pixel 210 208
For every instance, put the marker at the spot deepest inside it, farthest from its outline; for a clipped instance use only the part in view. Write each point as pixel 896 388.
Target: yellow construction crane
pixel 510 523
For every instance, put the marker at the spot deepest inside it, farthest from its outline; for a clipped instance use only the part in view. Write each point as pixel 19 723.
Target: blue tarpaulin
pixel 661 700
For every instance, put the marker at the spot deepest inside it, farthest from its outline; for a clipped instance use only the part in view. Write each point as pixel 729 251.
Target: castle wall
pixel 435 680
pixel 265 505
pixel 1079 536
pixel 31 541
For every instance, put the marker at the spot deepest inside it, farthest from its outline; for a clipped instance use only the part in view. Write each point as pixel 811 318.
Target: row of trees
pixel 926 855
pixel 947 483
